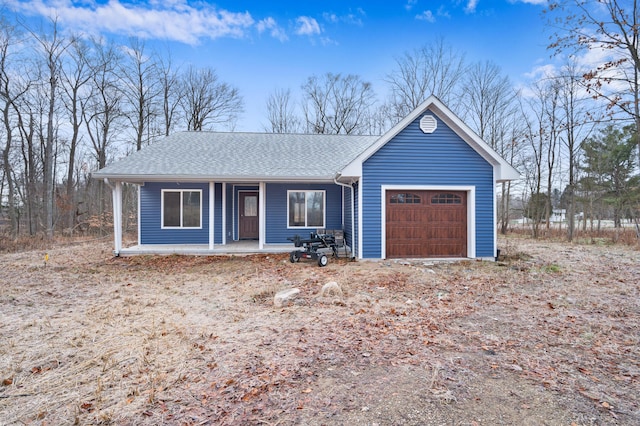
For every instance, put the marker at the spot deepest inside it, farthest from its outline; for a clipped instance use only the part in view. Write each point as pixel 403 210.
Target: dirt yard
pixel 549 335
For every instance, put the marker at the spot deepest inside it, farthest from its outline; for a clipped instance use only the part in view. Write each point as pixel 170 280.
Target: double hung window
pixel 181 208
pixel 306 209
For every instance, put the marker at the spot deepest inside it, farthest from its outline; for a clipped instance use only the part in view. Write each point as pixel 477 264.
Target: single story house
pixel 424 189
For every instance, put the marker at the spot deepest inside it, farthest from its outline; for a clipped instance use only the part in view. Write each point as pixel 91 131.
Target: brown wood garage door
pixel 426 224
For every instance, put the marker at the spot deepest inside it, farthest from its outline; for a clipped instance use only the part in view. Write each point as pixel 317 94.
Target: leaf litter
pixel 547 335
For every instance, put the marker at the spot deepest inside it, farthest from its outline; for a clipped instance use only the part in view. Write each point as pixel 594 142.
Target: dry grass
pixel 604 236
pixel 196 340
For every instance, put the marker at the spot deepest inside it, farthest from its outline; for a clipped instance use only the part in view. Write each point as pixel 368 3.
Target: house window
pixel 181 208
pixel 405 198
pixel 446 198
pixel 306 209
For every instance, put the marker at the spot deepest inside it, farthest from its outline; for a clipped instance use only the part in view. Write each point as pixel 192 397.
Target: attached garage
pixel 426 223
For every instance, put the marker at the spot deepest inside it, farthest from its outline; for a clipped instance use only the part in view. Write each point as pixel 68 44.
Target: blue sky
pixel 259 46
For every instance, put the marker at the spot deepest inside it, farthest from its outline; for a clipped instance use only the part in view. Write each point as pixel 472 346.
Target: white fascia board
pixel 217 179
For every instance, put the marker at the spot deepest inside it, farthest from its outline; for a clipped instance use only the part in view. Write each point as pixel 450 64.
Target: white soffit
pixel 428 124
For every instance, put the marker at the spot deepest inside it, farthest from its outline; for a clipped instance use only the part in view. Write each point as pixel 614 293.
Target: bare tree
pixel 540 114
pixel 380 119
pixel 336 104
pixel 281 113
pixel 577 125
pixel 491 108
pixel 141 87
pixel 10 92
pixel 433 69
pixel 76 74
pixel 102 110
pixel 53 47
pixel 611 27
pixel 207 102
pixel 170 92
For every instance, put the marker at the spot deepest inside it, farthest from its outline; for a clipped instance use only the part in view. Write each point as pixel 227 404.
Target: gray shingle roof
pixel 242 156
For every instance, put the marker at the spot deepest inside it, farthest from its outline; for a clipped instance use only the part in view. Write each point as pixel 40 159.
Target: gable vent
pixel 428 124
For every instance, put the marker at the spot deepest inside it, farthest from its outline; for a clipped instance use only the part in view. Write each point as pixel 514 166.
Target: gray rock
pixel 284 297
pixel 331 289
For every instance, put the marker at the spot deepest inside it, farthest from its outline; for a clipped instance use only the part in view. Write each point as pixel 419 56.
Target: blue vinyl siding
pixel 151 231
pixel 416 158
pixel 277 215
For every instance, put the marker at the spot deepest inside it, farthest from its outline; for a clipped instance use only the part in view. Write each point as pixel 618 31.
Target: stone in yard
pixel 284 297
pixel 331 289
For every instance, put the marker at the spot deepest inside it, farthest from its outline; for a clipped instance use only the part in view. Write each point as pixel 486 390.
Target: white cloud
pixel 307 26
pixel 542 72
pixel 171 20
pixel 471 6
pixel 410 4
pixel 270 24
pixel 538 2
pixel 442 11
pixel 352 18
pixel 427 15
pixel 330 17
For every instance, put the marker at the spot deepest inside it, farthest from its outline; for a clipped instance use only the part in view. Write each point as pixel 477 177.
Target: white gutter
pixel 353 223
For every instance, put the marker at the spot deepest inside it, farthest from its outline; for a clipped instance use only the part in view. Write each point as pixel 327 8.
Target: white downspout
pixel 353 222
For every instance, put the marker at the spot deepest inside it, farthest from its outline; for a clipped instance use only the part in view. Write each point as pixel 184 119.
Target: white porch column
pixel 212 204
pixel 117 217
pixel 360 218
pixel 224 213
pixel 261 215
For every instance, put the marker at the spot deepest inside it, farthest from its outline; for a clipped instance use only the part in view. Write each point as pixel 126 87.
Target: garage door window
pixel 446 198
pixel 405 198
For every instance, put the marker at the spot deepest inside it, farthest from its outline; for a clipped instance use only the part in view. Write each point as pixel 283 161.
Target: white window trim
pixel 471 211
pixel 324 208
pixel 181 191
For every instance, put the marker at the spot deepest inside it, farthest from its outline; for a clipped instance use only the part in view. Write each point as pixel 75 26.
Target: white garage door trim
pixel 471 211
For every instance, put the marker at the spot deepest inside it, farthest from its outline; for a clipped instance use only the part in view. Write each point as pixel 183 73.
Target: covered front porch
pixel 228 217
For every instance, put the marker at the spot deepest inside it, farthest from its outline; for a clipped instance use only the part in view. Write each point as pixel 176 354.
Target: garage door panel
pixel 444 232
pixel 452 249
pixel 412 250
pixel 405 232
pixel 435 226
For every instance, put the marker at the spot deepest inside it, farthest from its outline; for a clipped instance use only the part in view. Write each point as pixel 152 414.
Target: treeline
pixel 70 105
